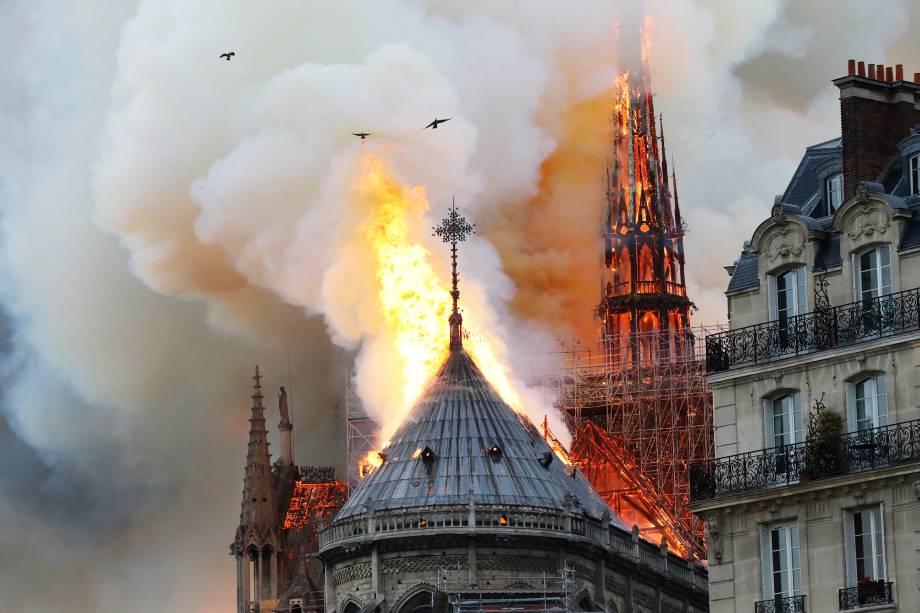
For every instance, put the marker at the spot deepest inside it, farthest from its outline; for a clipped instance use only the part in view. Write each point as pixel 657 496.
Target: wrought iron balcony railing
pixel 832 327
pixel 790 604
pixel 851 453
pixel 866 594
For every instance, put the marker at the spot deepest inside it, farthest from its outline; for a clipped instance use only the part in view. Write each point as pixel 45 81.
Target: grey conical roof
pixel 459 418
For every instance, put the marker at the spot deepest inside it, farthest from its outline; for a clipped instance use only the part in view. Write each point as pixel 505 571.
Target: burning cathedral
pixel 471 507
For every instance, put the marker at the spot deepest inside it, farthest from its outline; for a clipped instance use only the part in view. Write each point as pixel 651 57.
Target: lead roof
pixel 459 418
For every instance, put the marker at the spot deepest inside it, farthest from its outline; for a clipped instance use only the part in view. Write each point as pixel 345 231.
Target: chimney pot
pixel 851 67
pixel 917 77
pixel 889 74
pixel 861 69
pixel 872 71
pixel 899 72
pixel 880 72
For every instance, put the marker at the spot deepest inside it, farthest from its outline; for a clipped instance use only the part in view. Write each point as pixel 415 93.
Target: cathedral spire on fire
pixel 643 285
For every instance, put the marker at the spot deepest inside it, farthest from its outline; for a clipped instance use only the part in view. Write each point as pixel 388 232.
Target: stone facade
pixel 798 521
pixel 385 571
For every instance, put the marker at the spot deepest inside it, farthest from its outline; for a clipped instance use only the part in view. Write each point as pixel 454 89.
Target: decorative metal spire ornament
pixel 454 229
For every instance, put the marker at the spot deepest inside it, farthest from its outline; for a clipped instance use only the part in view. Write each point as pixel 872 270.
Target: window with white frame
pixel 867 403
pixel 915 174
pixel 864 532
pixel 833 192
pixel 783 420
pixel 787 293
pixel 779 546
pixel 872 273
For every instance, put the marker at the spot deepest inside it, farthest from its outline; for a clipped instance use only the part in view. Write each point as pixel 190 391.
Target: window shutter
pixel 851 407
pixel 766 563
pixel 796 419
pixel 881 401
pixel 849 549
pixel 801 297
pixel 884 548
pixel 854 260
pixel 884 257
pixel 771 297
pixel 769 437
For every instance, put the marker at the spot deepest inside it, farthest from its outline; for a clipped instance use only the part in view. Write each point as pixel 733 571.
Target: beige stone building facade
pixel 813 501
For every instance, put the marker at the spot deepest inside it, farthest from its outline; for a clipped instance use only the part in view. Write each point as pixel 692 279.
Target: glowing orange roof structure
pixel 630 494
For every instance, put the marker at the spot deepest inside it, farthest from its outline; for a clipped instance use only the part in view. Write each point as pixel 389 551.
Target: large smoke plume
pixel 167 222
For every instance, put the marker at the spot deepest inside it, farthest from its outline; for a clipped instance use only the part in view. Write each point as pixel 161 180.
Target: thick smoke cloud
pixel 166 216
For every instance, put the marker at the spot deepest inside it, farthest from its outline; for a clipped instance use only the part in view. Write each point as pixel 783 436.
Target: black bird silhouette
pixel 227 56
pixel 362 135
pixel 434 124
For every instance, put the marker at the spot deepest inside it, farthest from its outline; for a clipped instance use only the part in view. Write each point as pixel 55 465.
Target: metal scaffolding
pixel 658 408
pixel 360 433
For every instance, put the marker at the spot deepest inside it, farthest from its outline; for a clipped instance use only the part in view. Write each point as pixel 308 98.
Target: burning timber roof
pixel 461 437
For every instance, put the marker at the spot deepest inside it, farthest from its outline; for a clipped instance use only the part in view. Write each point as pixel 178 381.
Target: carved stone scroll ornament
pixel 868 220
pixel 785 242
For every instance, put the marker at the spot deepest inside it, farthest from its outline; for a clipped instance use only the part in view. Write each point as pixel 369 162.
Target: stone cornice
pixel 807 490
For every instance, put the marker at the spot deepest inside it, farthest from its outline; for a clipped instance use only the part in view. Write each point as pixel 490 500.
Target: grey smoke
pixel 135 306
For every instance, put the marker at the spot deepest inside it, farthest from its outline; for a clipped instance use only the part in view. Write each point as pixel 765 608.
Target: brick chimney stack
pixel 876 111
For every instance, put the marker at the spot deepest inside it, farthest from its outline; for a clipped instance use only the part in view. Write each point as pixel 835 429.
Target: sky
pixel 170 219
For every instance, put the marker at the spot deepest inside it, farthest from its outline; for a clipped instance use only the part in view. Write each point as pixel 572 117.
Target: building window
pixel 780 561
pixel 867 403
pixel 915 174
pixel 783 421
pixel 865 544
pixel 787 294
pixel 872 273
pixel 833 192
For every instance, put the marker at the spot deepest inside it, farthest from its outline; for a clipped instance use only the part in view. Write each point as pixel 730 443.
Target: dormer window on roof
pixel 915 174
pixel 833 190
pixel 495 452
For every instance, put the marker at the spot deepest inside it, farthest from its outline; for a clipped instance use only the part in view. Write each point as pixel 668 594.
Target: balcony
pixel 791 604
pixel 833 327
pixel 853 453
pixel 625 288
pixel 867 594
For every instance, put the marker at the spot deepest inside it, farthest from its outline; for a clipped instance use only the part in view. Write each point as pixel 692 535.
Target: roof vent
pixel 545 459
pixel 428 456
pixel 571 471
pixel 495 452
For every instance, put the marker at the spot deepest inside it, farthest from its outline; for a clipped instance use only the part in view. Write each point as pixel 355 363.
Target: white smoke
pixel 166 218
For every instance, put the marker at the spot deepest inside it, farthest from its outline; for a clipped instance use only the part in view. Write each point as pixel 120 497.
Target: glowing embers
pixel 503 520
pixel 310 501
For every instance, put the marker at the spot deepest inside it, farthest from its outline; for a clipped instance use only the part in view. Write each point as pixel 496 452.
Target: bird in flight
pixel 434 124
pixel 227 56
pixel 362 135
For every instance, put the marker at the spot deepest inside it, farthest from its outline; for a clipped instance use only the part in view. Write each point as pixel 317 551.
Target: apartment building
pixel 813 500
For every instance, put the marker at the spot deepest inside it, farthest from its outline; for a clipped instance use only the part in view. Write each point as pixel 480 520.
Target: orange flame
pixel 413 300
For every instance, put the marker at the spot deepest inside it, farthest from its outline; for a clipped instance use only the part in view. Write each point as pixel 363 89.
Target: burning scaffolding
pixel 649 418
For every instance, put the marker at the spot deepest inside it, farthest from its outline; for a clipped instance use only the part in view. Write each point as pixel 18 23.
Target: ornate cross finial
pixel 454 229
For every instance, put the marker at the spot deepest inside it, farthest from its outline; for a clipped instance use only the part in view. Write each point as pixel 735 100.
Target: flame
pixel 372 461
pixel 414 302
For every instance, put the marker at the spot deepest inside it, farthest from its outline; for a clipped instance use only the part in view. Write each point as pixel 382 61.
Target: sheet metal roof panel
pixel 459 417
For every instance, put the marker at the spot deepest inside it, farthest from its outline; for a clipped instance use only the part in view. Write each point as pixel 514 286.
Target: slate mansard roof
pixel 805 198
pixel 462 437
